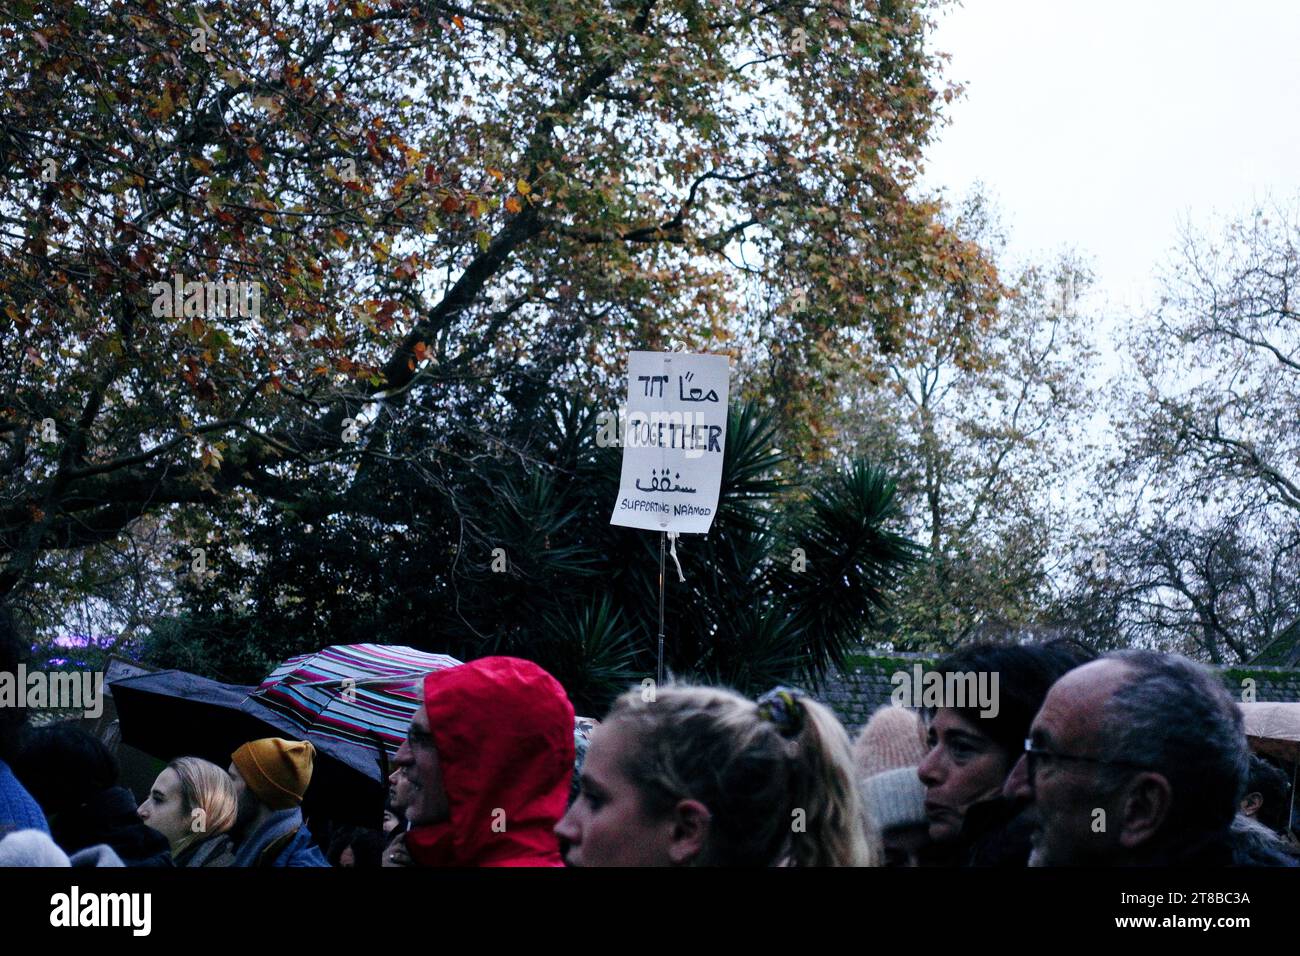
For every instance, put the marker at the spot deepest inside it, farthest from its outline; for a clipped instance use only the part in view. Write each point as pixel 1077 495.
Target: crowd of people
pixel 1131 758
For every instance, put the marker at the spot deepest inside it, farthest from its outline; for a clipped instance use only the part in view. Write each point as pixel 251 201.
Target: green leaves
pixel 849 560
pixel 537 209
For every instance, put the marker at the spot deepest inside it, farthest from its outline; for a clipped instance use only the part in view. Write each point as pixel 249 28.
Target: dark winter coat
pixel 1245 843
pixel 109 817
pixel 282 840
pixel 994 833
pixel 214 851
pixel 1256 845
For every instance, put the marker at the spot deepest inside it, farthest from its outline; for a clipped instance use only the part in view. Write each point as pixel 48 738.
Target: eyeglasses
pixel 1036 757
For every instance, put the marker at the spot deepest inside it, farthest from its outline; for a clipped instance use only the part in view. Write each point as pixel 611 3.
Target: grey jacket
pixel 281 840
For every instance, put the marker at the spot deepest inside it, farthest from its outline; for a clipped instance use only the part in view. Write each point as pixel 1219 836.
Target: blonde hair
pixel 773 799
pixel 206 787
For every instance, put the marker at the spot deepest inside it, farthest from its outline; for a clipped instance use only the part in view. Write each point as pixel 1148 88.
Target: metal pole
pixel 1290 818
pixel 659 670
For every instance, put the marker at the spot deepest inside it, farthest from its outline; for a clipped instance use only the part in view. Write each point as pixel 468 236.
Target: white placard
pixel 674 434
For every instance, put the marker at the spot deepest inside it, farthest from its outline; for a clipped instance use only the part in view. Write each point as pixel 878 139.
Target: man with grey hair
pixel 1135 759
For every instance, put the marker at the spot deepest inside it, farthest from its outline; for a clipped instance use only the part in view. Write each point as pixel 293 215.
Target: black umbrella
pixel 172 713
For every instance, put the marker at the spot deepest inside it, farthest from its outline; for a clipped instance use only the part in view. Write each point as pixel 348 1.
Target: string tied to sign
pixel 672 551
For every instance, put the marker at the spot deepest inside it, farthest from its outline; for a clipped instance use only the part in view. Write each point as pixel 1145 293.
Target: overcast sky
pixel 1102 124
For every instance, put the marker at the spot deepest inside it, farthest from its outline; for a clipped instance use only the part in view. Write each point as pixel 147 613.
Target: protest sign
pixel 674 436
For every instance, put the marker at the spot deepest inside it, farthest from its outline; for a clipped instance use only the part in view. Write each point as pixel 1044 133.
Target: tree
pixel 1215 587
pixel 420 210
pixel 1201 516
pixel 982 430
pixel 515 555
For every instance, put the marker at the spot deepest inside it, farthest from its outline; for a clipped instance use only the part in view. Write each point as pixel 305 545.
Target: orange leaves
pixel 450 204
pixel 372 147
pixel 210 456
pixel 419 353
pixel 408 268
pixel 166 105
pixel 271 105
pixel 201 386
pixel 384 318
pixel 513 205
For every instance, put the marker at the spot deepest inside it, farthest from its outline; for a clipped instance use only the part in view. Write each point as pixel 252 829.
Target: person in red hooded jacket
pixel 489 759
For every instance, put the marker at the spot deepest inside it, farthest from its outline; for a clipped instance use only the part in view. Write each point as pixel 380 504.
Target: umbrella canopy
pixel 1273 728
pixel 352 702
pixel 171 714
pixel 357 695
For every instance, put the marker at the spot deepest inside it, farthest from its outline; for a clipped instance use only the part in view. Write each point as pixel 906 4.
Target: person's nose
pixel 1017 785
pixel 141 812
pixel 928 770
pixel 567 829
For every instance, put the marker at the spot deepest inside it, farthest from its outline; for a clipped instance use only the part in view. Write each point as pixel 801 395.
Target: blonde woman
pixel 192 804
pixel 701 776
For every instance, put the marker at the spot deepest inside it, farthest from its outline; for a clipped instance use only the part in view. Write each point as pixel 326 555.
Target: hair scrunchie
pixel 781 706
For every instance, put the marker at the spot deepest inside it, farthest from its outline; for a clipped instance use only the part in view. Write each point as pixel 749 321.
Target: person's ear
pixel 1145 805
pixel 690 831
pixel 1251 803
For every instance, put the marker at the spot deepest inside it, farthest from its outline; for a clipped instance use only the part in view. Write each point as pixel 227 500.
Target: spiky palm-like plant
pixel 785 581
pixel 493 553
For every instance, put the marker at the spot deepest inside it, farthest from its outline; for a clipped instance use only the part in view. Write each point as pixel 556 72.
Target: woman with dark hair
pixel 973 747
pixel 73 776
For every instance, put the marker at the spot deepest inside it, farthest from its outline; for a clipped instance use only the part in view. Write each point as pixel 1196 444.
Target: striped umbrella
pixel 359 695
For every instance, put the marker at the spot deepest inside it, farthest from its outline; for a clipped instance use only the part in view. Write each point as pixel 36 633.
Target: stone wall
pixel 857 692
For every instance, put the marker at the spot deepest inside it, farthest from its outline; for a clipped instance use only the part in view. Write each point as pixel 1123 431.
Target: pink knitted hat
pixel 887 753
pixel 894 737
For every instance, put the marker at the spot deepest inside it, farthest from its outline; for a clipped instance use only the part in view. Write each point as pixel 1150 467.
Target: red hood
pixel 503 729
